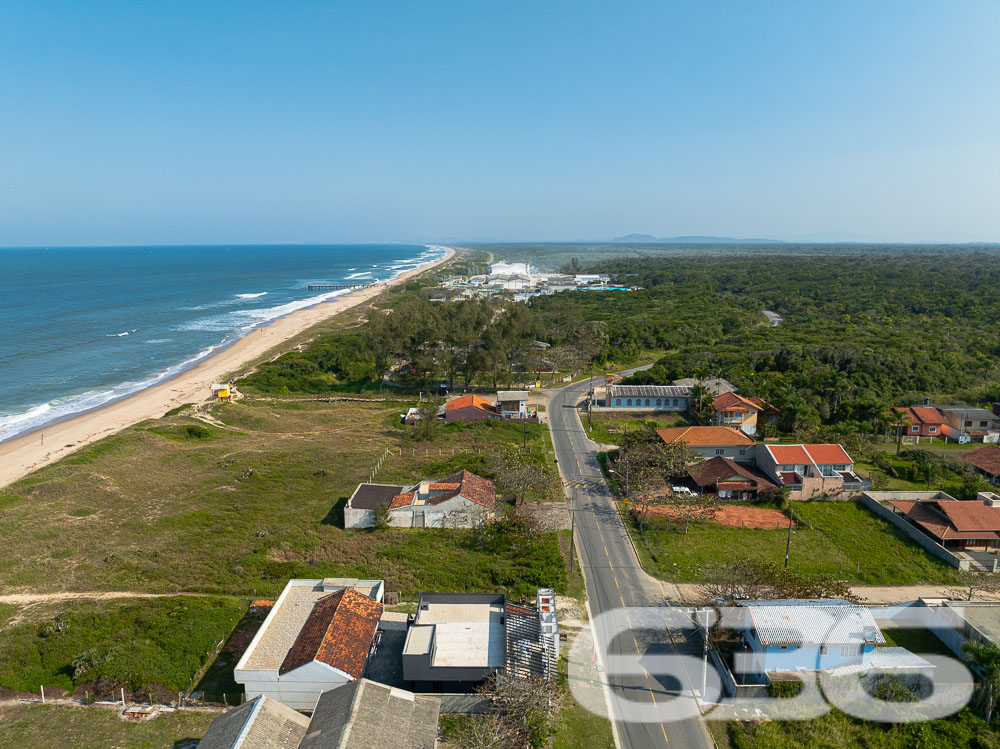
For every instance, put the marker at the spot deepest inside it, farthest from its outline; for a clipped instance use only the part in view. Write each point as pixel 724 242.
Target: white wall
pixel 299 688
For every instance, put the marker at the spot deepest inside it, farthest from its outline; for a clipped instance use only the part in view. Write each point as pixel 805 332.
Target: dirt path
pixel 26 599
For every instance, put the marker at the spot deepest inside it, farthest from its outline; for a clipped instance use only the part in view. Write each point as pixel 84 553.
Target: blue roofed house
pixel 813 635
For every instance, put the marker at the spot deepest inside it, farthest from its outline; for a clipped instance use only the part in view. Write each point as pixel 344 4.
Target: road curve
pixel 614 579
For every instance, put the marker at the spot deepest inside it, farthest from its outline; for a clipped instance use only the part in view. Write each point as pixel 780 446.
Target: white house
pixel 513 404
pixel 462 499
pixel 645 398
pixel 318 636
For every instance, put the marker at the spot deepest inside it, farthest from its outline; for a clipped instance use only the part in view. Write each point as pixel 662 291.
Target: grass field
pixel 836 538
pixel 242 502
pixel 95 728
pixel 139 644
pixel 836 730
pixel 608 428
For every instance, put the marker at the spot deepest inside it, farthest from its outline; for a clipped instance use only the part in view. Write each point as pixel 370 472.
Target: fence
pixel 931 546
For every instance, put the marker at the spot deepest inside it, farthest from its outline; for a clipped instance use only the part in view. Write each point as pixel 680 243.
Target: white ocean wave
pixel 358 275
pixel 12 425
pixel 251 296
pixel 119 335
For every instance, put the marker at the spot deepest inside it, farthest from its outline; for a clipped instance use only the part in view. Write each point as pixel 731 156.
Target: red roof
pixel 798 455
pixel 705 436
pixel 466 401
pixel 952 519
pixel 985 458
pixel 338 632
pixel 724 470
pixel 467 484
pixel 734 402
pixel 926 414
pixel 401 500
pixel 789 455
pixel 762 403
pixel 828 454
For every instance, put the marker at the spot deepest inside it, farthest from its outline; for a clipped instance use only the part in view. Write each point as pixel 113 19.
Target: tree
pixel 381 516
pixel 520 713
pixel 743 578
pixel 380 337
pixel 518 474
pixel 971 582
pixel 984 657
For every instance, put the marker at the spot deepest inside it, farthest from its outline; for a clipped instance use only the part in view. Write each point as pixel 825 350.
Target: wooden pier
pixel 337 286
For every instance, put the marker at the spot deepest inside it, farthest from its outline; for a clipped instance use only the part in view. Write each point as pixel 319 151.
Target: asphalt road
pixel 614 581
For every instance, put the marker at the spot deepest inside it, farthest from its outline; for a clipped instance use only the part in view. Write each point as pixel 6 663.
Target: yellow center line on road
pixel 616 579
pixel 636 643
pixel 606 551
pixel 621 599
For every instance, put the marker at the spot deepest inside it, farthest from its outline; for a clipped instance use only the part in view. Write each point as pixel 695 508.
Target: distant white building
pixel 318 636
pixel 509 269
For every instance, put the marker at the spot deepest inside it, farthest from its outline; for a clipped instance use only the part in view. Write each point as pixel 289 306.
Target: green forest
pixel 861 332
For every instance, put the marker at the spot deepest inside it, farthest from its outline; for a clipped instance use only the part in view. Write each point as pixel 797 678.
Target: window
pixel 629 403
pixel 968 423
pixel 915 428
pixel 984 423
pixel 618 401
pixel 647 401
pixel 931 430
pixel 823 649
pixel 720 451
pixel 675 401
pixel 850 651
pixel 743 452
pixel 659 401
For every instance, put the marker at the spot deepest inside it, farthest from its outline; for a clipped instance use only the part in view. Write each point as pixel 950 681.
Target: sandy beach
pixel 22 455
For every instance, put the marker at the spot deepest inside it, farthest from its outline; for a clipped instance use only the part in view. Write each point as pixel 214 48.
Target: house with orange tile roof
pixel 809 470
pixel 985 461
pixel 727 479
pixel 460 500
pixel 709 441
pixel 319 635
pixel 732 410
pixel 469 409
pixel 970 524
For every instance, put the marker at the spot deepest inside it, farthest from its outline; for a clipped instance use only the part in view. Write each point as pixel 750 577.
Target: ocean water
pixel 81 327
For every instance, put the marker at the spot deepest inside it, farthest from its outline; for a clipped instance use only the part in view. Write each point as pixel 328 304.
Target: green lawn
pixel 839 538
pixel 24 726
pixel 608 429
pixel 251 503
pixel 915 640
pixel 156 643
pixel 836 730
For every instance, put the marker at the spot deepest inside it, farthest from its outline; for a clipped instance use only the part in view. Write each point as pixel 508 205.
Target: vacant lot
pixel 836 730
pixel 239 498
pixel 141 644
pixel 838 538
pixel 609 428
pixel 95 728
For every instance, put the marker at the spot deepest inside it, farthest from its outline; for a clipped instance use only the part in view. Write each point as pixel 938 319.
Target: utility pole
pixel 524 430
pixel 572 529
pixel 788 541
pixel 704 662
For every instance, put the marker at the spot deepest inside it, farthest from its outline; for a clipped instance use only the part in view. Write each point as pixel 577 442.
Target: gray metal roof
pixel 651 391
pixel 968 412
pixel 716 385
pixel 261 723
pixel 826 622
pixel 512 395
pixel 367 715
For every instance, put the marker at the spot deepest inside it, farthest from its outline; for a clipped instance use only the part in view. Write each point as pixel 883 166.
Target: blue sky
pixel 189 122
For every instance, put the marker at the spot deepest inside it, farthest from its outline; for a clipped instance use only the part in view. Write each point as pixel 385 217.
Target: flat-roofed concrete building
pixel 318 636
pixel 460 639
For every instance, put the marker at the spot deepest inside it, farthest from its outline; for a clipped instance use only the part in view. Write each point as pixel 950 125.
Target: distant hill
pixel 694 239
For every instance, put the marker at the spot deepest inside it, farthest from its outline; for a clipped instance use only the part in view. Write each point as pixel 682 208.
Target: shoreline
pixel 24 453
